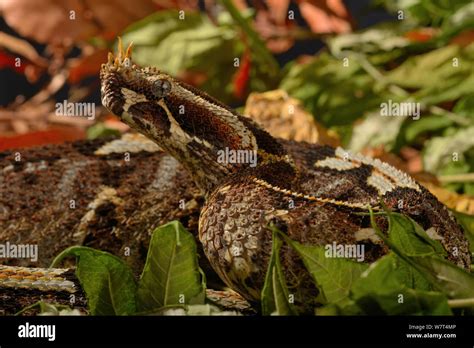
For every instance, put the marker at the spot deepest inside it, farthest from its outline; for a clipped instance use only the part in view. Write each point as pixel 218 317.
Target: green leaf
pixel 414 129
pixel 390 286
pixel 171 275
pixel 449 68
pixel 452 88
pixel 49 309
pixel 197 45
pixel 460 166
pixel 405 302
pixel 381 277
pixel 333 276
pixel 107 281
pixel 411 277
pixel 465 106
pixel 335 94
pixel 99 130
pixel 453 281
pixel 344 307
pixel 165 41
pixel 407 235
pixel 275 297
pixel 387 274
pixel 467 222
pixel 380 37
pixel 425 12
pixel 462 18
pixel 46 308
pixel 375 130
pixel 439 150
pixel 204 49
pixel 437 64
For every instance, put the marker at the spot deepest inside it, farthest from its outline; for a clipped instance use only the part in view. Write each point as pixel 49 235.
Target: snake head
pixel 189 124
pixel 134 93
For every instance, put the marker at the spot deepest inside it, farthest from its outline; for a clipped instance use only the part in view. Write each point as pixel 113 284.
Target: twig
pixel 23 48
pixel 445 179
pixel 461 303
pixel 32 306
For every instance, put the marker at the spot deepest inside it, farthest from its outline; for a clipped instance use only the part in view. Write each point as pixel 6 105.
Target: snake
pixel 314 193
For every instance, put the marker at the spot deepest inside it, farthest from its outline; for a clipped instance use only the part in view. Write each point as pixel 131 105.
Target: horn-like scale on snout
pixel 121 56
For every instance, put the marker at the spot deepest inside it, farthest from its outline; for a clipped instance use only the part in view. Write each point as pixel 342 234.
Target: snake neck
pixel 211 140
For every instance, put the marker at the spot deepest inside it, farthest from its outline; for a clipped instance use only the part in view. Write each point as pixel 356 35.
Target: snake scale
pixel 313 193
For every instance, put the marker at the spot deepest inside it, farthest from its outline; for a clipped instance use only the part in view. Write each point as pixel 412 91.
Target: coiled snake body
pixel 313 193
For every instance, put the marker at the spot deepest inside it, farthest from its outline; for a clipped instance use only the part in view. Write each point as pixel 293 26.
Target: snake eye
pixel 161 88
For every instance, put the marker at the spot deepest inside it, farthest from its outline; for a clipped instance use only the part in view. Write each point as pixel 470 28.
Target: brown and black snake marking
pixel 117 203
pixel 327 186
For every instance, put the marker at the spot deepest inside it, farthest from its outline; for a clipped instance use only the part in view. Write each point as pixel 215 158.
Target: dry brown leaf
pixel 179 4
pixel 279 9
pixel 228 300
pixel 50 21
pixel 113 122
pixel 277 35
pixel 326 16
pixel 274 25
pixel 86 65
pixel 52 135
pixel 453 200
pixel 413 159
pixel 284 117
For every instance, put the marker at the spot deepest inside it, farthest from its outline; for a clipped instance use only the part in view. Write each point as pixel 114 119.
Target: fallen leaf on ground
pixel 285 117
pixel 453 200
